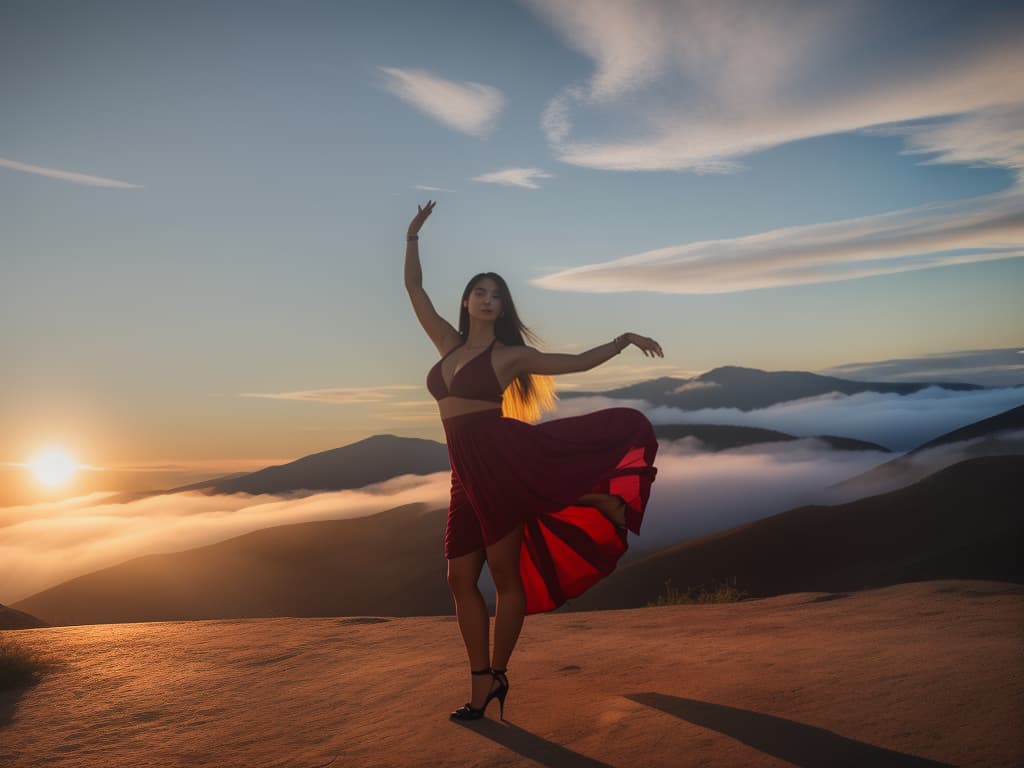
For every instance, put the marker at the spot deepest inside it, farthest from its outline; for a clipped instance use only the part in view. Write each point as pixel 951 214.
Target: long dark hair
pixel 529 393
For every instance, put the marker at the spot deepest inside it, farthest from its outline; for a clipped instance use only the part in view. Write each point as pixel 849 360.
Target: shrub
pixel 19 666
pixel 721 592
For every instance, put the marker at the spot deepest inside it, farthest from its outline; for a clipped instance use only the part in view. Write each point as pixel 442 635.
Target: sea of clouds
pixel 696 491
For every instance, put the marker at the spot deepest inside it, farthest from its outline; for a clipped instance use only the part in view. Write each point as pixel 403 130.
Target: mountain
pixel 721 437
pixel 387 564
pixel 12 619
pixel 1010 420
pixel 999 435
pixel 749 388
pixel 372 460
pixel 963 522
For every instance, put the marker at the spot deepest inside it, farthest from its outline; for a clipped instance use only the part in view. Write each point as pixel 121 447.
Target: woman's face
pixel 484 300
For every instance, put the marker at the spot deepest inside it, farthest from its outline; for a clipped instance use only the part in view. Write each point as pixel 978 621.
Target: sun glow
pixel 53 467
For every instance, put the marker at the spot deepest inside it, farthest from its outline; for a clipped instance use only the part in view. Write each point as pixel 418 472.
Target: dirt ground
pixel 930 673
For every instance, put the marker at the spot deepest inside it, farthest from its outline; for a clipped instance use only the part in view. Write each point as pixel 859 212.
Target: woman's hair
pixel 529 394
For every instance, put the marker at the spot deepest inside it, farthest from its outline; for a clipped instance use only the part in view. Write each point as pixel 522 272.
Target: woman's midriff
pixel 460 406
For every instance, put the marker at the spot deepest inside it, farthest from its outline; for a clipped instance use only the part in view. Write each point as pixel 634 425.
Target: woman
pixel 547 505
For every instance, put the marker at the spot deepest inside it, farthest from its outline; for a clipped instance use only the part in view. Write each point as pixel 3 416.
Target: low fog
pixel 897 422
pixel 696 491
pixel 42 545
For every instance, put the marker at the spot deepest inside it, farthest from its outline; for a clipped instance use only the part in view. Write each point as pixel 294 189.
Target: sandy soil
pixel 916 674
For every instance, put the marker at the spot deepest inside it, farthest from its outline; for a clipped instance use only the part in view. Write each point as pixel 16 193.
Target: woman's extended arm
pixel 438 329
pixel 530 360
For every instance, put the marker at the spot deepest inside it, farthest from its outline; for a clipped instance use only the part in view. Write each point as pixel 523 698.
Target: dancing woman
pixel 547 505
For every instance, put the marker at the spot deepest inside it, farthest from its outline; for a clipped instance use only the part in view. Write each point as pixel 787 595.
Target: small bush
pixel 721 592
pixel 19 666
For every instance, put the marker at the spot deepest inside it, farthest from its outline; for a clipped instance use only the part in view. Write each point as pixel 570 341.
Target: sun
pixel 54 467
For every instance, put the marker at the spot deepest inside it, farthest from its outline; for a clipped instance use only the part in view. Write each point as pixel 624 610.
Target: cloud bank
pixel 696 492
pixel 988 367
pixel 45 544
pixel 897 422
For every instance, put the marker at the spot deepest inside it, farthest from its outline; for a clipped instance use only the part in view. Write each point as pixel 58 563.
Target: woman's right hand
pixel 649 346
pixel 421 216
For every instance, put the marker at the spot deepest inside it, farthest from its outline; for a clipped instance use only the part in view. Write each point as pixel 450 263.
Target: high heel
pixel 501 692
pixel 468 711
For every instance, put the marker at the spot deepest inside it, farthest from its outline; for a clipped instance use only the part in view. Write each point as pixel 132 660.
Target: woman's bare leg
pixel 510 608
pixel 471 612
pixel 609 505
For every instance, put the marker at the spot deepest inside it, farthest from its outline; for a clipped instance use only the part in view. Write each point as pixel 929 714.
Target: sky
pixel 203 205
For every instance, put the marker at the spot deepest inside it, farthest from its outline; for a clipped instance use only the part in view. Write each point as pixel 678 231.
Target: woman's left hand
pixel 649 346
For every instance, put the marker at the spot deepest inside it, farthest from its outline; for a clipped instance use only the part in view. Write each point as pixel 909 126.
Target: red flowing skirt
pixel 506 472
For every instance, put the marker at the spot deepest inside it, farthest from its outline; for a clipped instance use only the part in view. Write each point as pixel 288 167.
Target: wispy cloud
pixel 515 177
pixel 708 83
pixel 613 376
pixel 468 107
pixel 75 178
pixel 979 229
pixel 341 395
pixel 988 137
pixel 432 189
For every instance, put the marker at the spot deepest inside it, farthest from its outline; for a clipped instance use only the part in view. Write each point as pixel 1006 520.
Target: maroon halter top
pixel 475 380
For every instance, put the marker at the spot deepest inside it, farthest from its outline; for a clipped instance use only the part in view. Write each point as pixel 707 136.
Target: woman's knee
pixel 464 572
pixel 507 579
pixel 503 561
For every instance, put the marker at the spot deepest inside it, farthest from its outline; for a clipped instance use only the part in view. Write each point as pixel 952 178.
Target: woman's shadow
pixel 804 745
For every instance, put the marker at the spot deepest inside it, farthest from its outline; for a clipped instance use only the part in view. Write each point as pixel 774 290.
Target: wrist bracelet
pixel 615 341
pixel 411 237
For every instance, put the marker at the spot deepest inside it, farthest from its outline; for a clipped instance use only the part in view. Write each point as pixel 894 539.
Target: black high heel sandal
pixel 468 711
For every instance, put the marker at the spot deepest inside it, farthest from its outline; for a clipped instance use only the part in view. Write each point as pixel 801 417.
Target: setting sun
pixel 53 467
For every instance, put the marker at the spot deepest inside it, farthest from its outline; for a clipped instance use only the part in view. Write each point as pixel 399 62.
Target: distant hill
pixel 999 435
pixel 721 437
pixel 13 619
pixel 372 460
pixel 1013 419
pixel 963 522
pixel 388 564
pixel 749 388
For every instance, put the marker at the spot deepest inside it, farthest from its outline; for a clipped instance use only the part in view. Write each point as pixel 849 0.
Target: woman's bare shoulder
pixel 512 351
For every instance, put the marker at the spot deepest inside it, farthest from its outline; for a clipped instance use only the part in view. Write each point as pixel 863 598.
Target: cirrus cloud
pixel 708 84
pixel 469 107
pixel 75 178
pixel 514 177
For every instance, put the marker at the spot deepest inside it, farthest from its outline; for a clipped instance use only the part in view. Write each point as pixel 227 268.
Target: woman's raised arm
pixel 529 360
pixel 438 329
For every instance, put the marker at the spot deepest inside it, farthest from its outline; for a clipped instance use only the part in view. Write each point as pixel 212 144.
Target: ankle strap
pixel 484 671
pixel 499 671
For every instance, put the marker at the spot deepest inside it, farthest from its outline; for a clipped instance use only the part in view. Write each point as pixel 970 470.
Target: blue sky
pixel 203 205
